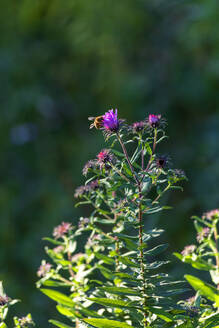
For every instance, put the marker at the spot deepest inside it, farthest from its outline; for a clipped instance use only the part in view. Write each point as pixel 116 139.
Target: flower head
pixel 61 229
pixel 204 233
pixel 138 127
pixel 82 190
pixel 83 222
pixel 88 166
pixel 26 321
pixel 4 299
pixel 211 215
pixel 104 158
pixel 162 161
pixel 43 269
pixel 154 120
pixel 188 250
pixel 110 121
pixel 58 249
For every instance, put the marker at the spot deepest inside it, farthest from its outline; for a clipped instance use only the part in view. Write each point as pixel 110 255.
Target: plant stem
pixel 153 150
pixel 158 197
pixel 127 158
pixel 140 217
pixel 217 251
pixel 120 173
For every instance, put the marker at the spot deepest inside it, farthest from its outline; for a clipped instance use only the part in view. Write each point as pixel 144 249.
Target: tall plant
pixel 116 280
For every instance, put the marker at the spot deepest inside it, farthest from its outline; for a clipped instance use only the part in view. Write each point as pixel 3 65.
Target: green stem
pixel 153 150
pixel 127 158
pixel 217 253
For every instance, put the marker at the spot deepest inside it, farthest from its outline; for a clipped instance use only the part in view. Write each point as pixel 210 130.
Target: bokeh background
pixel 62 61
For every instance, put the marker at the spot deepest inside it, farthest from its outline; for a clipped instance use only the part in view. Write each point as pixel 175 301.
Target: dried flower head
pixel 43 269
pixel 26 321
pixel 138 127
pixel 191 300
pixel 188 250
pixel 82 190
pixel 110 121
pixel 58 249
pixel 4 299
pixel 211 215
pixel 162 161
pixel 62 229
pixel 89 166
pixel 83 222
pixel 204 233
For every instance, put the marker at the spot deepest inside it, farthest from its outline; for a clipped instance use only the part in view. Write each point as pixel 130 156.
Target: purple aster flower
pixel 80 191
pixel 62 229
pixel 138 127
pixel 154 120
pixel 104 158
pixel 43 269
pixel 204 233
pixel 211 215
pixel 110 121
pixel 188 250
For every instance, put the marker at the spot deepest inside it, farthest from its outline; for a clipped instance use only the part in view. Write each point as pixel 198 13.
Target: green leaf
pixel 148 148
pixel 53 241
pixel 161 314
pixel 105 258
pixel 120 291
pixel 198 263
pixel 105 323
pixel 67 312
pixel 204 288
pixel 58 297
pixel 156 250
pixel 3 325
pixel 60 324
pixel 111 302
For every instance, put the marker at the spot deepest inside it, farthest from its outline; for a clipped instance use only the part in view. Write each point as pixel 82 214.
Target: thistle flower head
pixel 189 249
pixel 104 158
pixel 43 269
pixel 204 233
pixel 138 127
pixel 162 161
pixel 110 121
pixel 82 190
pixel 211 215
pixel 154 120
pixel 62 229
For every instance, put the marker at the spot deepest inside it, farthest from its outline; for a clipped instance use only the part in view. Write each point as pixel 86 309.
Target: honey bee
pixel 97 122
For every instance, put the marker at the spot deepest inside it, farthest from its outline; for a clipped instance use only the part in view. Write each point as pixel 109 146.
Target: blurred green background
pixel 62 61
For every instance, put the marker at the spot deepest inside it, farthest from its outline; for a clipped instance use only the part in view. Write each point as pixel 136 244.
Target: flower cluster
pixel 211 215
pixel 204 233
pixel 4 299
pixel 82 190
pixel 62 229
pixel 44 269
pixel 189 249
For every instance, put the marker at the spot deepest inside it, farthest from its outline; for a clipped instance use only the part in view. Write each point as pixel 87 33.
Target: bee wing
pixel 90 118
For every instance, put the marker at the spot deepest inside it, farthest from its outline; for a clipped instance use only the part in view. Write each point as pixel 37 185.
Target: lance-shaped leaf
pixel 204 288
pixel 105 323
pixel 60 324
pixel 112 303
pixel 58 297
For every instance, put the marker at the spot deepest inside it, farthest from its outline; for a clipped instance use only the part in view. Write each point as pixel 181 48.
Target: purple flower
pixel 44 269
pixel 204 233
pixel 154 120
pixel 211 215
pixel 62 229
pixel 83 222
pixel 188 250
pixel 138 127
pixel 110 121
pixel 104 158
pixel 82 190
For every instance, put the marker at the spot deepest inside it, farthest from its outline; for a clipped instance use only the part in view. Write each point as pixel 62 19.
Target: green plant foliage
pixel 116 281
